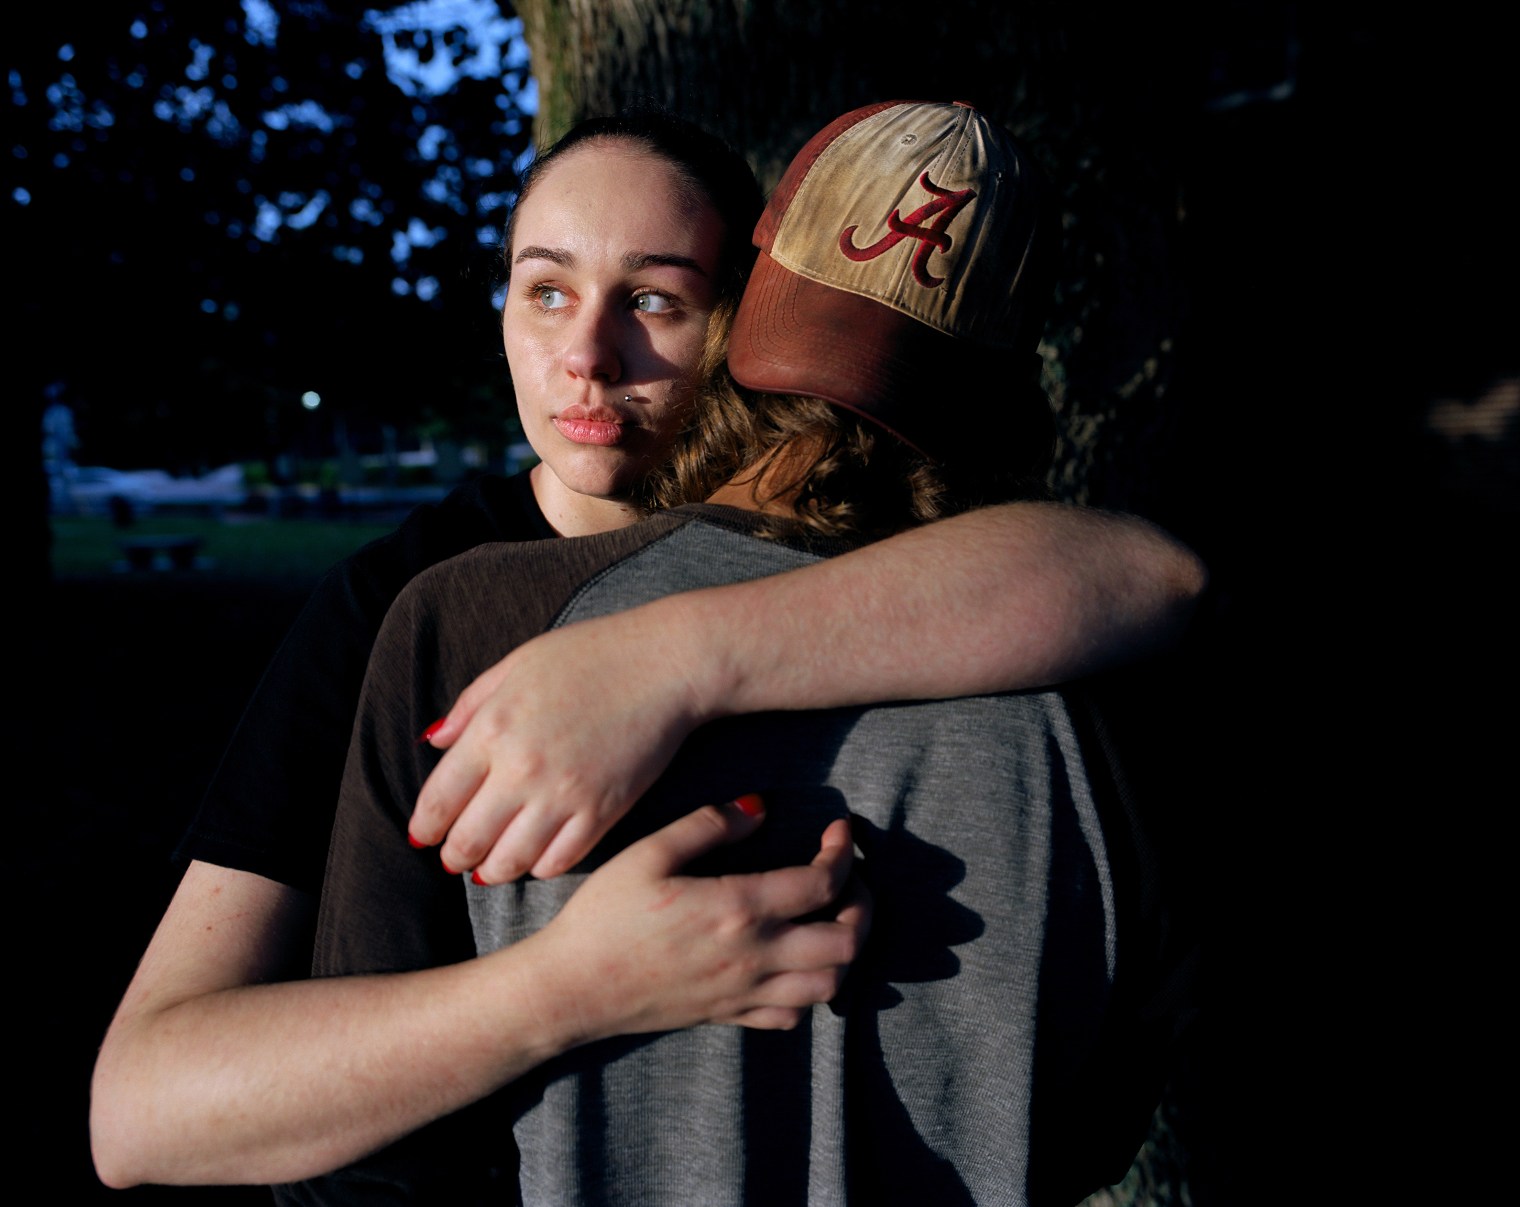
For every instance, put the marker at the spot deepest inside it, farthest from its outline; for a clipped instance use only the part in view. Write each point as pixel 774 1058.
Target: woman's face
pixel 613 263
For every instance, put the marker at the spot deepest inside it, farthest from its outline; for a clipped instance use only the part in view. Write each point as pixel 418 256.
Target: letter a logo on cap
pixel 942 209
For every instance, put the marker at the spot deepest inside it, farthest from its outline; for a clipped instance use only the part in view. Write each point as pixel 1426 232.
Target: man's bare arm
pixel 1005 598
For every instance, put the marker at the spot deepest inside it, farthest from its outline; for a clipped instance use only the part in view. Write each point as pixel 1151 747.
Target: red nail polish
pixel 447 868
pixel 427 734
pixel 417 843
pixel 750 804
pixel 475 876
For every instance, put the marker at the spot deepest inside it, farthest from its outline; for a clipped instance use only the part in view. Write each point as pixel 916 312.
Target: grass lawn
pixel 236 547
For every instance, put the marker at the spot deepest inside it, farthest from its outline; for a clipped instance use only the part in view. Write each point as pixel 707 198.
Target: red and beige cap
pixel 906 264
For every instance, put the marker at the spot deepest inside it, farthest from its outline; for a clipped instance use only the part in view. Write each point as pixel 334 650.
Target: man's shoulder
pixel 512 590
pixel 686 547
pixel 702 545
pixel 543 566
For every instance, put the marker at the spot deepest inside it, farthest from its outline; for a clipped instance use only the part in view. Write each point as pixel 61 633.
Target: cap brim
pixel 795 336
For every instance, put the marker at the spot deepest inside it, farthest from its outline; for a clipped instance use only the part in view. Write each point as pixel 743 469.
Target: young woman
pixel 219 1065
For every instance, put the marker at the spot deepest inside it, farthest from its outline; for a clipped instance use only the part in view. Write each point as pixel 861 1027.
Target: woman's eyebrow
pixel 633 261
pixel 636 260
pixel 553 254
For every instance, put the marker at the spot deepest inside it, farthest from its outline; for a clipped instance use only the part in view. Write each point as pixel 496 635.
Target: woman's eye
pixel 653 303
pixel 550 298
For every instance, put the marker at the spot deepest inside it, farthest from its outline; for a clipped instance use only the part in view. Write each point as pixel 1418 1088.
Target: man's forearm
pixel 1005 598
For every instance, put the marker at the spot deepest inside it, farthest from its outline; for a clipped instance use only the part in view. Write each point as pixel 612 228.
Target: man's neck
pixel 772 485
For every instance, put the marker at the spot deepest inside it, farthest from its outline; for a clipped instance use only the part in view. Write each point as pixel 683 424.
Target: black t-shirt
pixel 270 807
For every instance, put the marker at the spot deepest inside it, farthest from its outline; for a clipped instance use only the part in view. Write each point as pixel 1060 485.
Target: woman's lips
pixel 589 431
pixel 589 425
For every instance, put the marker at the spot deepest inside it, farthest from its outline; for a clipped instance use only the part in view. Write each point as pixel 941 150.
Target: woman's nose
pixel 593 351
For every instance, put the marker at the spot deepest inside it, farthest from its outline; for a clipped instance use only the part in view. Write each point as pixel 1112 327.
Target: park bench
pixel 163 551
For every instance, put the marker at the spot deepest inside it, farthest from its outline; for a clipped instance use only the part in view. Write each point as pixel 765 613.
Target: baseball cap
pixel 905 269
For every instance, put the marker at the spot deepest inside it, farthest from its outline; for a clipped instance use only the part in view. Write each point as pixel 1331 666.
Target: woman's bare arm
pixel 209 1074
pixel 1005 598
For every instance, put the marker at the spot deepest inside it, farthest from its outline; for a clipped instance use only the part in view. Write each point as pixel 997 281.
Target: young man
pixel 990 1044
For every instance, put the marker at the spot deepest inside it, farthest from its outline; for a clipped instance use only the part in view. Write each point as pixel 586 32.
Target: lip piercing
pixel 627 397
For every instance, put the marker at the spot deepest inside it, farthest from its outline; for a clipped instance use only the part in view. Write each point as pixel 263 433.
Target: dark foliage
pixel 216 207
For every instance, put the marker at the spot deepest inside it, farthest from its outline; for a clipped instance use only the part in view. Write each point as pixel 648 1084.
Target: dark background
pixel 1340 444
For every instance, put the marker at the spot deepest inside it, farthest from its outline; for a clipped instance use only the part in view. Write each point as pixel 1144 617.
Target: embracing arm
pixel 208 1075
pixel 1017 596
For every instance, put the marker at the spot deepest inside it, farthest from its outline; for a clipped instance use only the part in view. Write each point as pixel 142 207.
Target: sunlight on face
pixel 613 263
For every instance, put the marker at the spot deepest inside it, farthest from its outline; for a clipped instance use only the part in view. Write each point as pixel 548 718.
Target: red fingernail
pixel 475 876
pixel 447 868
pixel 427 734
pixel 750 804
pixel 416 842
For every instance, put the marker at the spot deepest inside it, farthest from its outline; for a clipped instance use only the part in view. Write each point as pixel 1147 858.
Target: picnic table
pixel 163 551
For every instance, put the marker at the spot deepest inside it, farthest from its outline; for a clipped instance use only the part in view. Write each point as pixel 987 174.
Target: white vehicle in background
pixel 92 488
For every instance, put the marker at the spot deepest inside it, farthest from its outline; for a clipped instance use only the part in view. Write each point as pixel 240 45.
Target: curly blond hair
pixel 844 476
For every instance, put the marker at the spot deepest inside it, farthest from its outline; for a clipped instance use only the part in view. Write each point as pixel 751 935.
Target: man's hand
pixel 554 744
pixel 543 759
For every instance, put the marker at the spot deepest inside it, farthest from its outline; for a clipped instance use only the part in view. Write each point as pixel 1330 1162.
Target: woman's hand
pixel 640 947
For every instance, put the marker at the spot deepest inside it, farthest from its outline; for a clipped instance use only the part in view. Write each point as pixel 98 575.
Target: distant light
pixel 261 22
pixel 311 400
pixel 20 196
pixel 267 221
